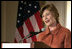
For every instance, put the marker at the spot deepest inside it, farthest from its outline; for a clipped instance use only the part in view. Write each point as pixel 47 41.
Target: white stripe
pixel 34 24
pixel 26 32
pixel 17 35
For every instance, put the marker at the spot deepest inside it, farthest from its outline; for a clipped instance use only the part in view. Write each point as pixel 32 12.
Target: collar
pixel 58 26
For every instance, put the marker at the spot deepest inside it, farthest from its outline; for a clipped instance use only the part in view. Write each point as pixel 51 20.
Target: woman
pixel 54 35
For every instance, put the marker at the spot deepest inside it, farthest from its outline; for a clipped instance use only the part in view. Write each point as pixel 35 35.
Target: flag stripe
pixel 34 24
pixel 30 28
pixel 18 36
pixel 24 41
pixel 26 32
pixel 20 29
pixel 29 40
pixel 15 40
pixel 39 20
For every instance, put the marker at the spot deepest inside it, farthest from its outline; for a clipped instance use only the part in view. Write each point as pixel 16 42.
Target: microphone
pixel 35 33
pixel 32 34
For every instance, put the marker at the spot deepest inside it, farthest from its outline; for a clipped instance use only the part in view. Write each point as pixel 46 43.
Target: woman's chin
pixel 47 24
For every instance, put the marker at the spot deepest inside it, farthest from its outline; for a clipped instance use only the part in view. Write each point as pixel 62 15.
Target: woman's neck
pixel 52 27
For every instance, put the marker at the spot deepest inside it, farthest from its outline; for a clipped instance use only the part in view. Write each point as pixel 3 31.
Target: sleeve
pixel 39 37
pixel 67 41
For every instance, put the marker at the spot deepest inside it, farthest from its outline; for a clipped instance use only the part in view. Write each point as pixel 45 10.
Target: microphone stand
pixel 25 38
pixel 30 35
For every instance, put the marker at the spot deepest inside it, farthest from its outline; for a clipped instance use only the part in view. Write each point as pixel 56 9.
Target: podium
pixel 39 45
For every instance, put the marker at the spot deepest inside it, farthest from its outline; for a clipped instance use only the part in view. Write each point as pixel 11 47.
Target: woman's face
pixel 48 18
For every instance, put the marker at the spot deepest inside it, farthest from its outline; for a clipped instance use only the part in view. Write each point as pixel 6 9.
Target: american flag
pixel 28 19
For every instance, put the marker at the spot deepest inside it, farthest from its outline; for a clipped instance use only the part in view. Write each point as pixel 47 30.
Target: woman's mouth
pixel 47 21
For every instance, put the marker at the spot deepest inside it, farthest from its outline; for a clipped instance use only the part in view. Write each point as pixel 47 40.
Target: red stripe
pixel 39 20
pixel 20 29
pixel 15 41
pixel 24 41
pixel 30 28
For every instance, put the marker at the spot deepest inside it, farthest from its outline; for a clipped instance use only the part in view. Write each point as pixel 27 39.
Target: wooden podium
pixel 39 45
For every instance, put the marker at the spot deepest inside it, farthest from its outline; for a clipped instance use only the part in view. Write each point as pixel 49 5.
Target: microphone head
pixel 42 29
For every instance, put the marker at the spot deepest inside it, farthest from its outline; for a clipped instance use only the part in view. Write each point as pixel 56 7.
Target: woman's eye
pixel 47 14
pixel 42 16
